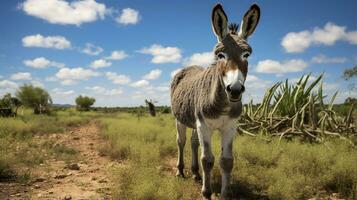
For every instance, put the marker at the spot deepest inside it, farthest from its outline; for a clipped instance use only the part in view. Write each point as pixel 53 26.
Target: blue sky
pixel 121 52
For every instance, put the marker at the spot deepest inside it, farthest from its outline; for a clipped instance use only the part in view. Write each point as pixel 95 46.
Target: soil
pixel 88 178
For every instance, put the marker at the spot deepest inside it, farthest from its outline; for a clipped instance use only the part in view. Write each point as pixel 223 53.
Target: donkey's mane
pixel 233 28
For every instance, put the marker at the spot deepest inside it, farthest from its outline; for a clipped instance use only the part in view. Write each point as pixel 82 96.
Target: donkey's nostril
pixel 242 89
pixel 229 88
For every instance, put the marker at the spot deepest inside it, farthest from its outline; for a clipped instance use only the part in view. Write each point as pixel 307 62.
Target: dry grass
pixel 20 151
pixel 276 170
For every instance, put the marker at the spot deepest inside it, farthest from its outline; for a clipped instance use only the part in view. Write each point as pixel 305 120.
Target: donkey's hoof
pixel 180 174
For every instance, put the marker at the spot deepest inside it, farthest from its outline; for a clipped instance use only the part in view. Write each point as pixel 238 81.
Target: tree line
pixel 37 99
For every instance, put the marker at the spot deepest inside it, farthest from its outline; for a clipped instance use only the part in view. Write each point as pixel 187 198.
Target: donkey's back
pixel 183 92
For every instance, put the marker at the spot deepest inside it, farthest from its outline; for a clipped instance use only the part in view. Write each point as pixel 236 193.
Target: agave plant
pixel 296 109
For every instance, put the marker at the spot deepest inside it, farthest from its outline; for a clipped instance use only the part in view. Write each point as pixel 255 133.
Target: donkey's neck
pixel 213 100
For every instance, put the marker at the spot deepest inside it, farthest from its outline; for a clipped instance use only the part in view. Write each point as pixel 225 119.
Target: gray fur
pixel 196 91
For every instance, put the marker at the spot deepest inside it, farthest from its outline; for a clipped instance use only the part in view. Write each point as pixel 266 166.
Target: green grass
pixel 286 170
pixel 20 151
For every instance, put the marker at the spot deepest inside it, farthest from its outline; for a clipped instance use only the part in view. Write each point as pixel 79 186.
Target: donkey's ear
pixel 250 21
pixel 219 22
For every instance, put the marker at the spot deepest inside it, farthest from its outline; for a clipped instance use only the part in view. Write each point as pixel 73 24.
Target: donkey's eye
pixel 245 55
pixel 221 55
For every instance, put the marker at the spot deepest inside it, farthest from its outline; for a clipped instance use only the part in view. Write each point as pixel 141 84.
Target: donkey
pixel 206 99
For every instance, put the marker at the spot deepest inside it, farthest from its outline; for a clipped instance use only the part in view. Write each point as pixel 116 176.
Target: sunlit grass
pixel 285 170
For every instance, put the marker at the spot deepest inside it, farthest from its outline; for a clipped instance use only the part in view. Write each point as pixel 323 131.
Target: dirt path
pixel 89 178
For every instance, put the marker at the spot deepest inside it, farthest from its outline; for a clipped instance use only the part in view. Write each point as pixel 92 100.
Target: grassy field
pixel 274 170
pixel 265 167
pixel 19 149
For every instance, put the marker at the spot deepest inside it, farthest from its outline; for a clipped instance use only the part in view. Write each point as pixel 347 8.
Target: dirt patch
pixel 88 178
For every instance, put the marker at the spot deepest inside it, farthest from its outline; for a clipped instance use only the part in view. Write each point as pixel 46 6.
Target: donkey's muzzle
pixel 235 93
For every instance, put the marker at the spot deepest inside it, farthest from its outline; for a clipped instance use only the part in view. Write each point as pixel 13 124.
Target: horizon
pixel 123 52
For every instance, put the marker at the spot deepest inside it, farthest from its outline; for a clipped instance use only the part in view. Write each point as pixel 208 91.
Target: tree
pixel 350 74
pixel 351 100
pixel 10 102
pixel 5 102
pixel 84 102
pixel 34 97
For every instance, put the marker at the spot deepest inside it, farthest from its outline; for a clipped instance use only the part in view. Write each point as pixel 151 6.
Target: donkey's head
pixel 232 50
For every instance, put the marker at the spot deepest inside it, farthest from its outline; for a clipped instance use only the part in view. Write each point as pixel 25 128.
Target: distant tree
pixel 349 74
pixel 5 101
pixel 34 97
pixel 84 102
pixel 351 100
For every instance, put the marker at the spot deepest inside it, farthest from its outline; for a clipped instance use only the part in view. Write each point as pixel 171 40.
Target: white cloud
pixel 272 66
pixel 117 55
pixel 351 37
pixel 254 82
pixel 70 76
pixel 153 74
pixel 5 84
pixel 37 83
pixel 128 16
pixel 101 63
pixel 104 91
pixel 41 63
pixel 295 42
pixel 21 76
pixel 162 88
pixel 204 59
pixel 64 12
pixel 92 50
pixel 68 82
pixel 118 78
pixel 61 92
pixel 163 54
pixel 51 79
pixel 55 42
pixel 140 83
pixel 321 59
pixel 173 73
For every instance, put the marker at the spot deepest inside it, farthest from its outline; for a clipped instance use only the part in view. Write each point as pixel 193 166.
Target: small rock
pixel 68 197
pixel 36 186
pixel 102 181
pixel 40 179
pixel 91 144
pixel 50 192
pixel 60 176
pixel 94 178
pixel 76 138
pixel 73 166
pixel 18 194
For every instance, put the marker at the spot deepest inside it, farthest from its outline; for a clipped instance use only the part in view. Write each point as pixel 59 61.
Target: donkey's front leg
pixel 226 160
pixel 181 141
pixel 207 158
pixel 194 147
